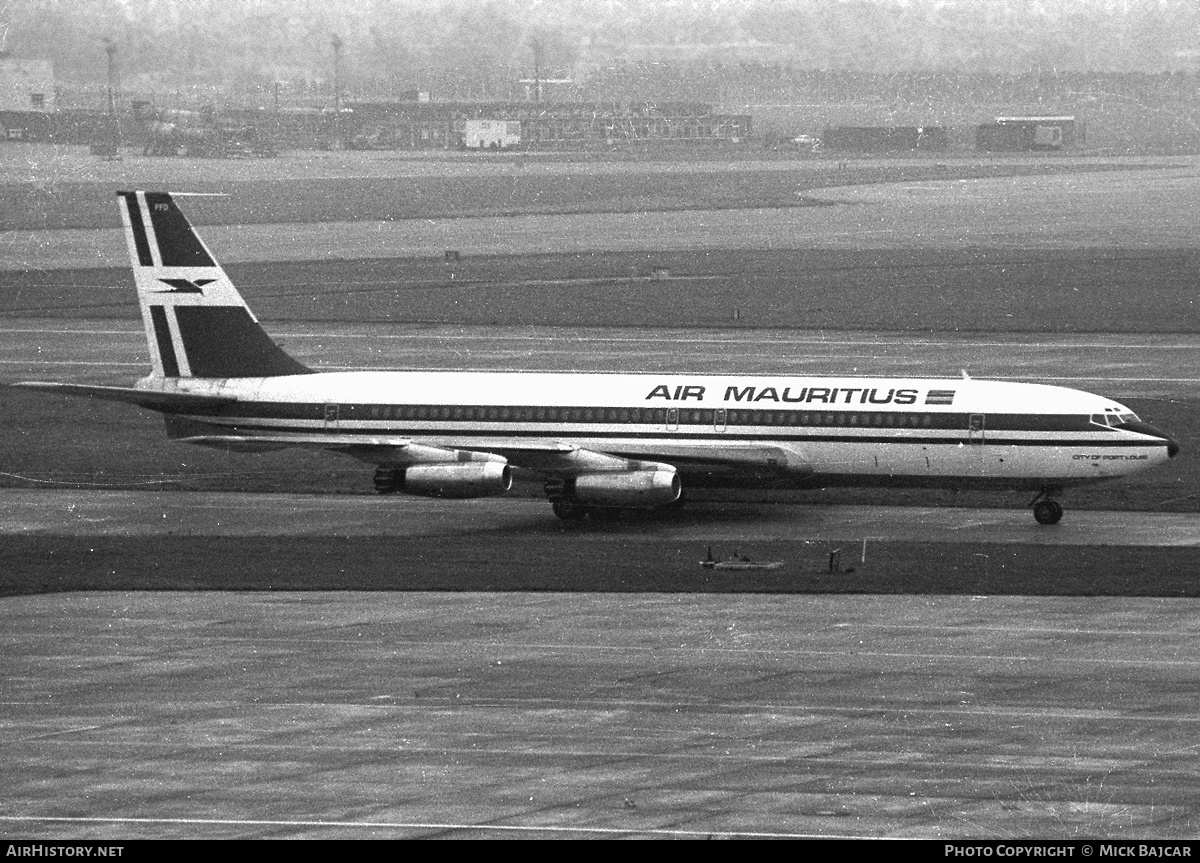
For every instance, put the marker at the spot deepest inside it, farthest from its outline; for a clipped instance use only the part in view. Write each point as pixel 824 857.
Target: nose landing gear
pixel 1046 510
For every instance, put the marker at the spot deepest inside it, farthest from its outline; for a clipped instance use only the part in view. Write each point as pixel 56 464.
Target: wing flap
pixel 560 457
pixel 374 449
pixel 742 456
pixel 315 439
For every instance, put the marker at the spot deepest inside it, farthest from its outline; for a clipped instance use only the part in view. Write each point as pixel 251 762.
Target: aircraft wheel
pixel 1048 512
pixel 568 510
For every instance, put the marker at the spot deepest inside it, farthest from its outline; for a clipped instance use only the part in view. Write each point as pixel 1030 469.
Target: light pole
pixel 337 88
pixel 537 72
pixel 114 137
pixel 110 48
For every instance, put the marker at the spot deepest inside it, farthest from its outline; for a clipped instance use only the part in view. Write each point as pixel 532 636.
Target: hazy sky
pixel 177 42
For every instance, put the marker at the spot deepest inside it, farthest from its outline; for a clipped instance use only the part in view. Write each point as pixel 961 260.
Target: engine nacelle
pixel 639 488
pixel 461 480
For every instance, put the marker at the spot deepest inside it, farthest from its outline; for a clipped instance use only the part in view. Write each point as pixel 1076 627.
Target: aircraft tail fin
pixel 197 324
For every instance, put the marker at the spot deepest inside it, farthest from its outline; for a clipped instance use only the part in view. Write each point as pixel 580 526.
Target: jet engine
pixel 639 488
pixel 462 480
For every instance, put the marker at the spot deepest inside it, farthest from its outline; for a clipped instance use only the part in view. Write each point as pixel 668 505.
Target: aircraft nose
pixel 1147 429
pixel 1172 444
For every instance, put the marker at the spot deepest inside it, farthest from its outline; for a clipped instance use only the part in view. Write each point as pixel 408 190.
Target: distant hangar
pixel 1013 134
pixel 1004 134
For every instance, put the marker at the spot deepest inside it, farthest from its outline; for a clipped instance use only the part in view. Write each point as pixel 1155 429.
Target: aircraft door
pixel 975 429
pixel 672 419
pixel 720 420
pixel 331 417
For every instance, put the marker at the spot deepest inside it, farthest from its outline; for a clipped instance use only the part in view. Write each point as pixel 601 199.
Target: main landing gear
pixel 572 510
pixel 1046 510
pixel 569 510
pixel 568 507
pixel 561 493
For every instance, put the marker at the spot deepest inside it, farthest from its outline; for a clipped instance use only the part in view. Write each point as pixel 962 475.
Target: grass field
pixel 1096 289
pixel 41 194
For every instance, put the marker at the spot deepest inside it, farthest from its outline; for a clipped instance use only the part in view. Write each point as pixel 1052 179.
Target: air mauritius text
pixel 791 395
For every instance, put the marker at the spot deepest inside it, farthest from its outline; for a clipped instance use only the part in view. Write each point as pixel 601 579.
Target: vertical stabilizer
pixel 197 324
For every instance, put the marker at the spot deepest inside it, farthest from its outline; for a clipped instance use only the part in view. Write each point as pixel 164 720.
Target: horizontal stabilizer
pixel 165 402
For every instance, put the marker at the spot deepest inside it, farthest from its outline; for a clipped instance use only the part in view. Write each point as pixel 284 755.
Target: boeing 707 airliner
pixel 597 442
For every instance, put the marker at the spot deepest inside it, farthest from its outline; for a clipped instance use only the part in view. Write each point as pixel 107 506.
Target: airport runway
pixel 540 715
pixel 106 513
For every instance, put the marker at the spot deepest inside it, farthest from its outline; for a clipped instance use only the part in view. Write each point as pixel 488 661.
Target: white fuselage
pixel 915 431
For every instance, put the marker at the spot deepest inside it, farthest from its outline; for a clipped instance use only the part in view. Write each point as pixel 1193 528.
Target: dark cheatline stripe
pixel 166 348
pixel 225 342
pixel 177 243
pixel 694 419
pixel 139 229
pixel 249 423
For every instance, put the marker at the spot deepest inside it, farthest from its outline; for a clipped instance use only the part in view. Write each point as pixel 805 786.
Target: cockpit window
pixel 1114 420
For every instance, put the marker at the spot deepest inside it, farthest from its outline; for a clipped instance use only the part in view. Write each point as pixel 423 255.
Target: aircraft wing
pixel 536 454
pixel 375 449
pixel 559 457
pixel 544 456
